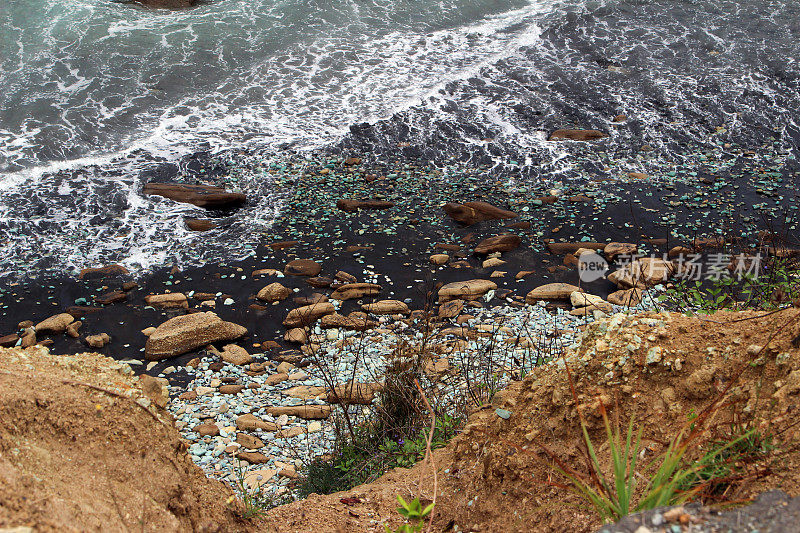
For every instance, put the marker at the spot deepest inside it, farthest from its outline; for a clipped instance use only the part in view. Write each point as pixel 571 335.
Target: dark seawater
pixel 96 97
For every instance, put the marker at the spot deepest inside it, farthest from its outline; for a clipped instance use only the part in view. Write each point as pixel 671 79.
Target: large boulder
pixel 206 196
pixel 466 290
pixel 185 333
pixel 500 243
pixel 472 212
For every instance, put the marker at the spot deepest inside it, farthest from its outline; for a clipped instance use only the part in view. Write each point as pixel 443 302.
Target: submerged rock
pixel 206 196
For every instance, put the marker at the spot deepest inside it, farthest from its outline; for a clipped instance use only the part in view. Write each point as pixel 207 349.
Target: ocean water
pixel 93 93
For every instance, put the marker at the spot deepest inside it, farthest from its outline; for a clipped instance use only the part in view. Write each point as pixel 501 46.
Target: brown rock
pixel 354 393
pixel 231 389
pixel 296 335
pixel 282 245
pixel 680 250
pixel 551 291
pixel 171 300
pixel 308 412
pixel 356 323
pixel 561 248
pixel 206 196
pixel 207 430
pixel 111 297
pixel 473 212
pixel 157 389
pixel 627 297
pixel 55 324
pixel 451 309
pixel 199 224
pixel 236 355
pixel 7 341
pixel 466 290
pixel 302 267
pixel 248 441
pixel 576 135
pixel 98 341
pixel 306 315
pixel 613 249
pixel 185 333
pixel 345 277
pixel 355 290
pixel 319 282
pixel 72 329
pixel 103 272
pixel 500 243
pixel 250 422
pixel 355 205
pixel 439 259
pixel 274 379
pixel 387 307
pixel 255 458
pixel 274 292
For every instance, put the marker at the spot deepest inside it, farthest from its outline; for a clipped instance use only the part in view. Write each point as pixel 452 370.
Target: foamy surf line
pixel 139 232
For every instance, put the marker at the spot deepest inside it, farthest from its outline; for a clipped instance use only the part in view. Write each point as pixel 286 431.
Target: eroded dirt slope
pixel 74 458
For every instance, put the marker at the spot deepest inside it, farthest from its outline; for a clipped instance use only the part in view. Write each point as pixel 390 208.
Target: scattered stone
pixel 500 243
pixel 249 422
pixel 551 291
pixel 451 309
pixel 387 307
pixel 55 324
pixel 157 389
pixel 302 267
pixel 72 329
pixel 248 441
pixel 296 335
pixel 302 411
pixel 103 272
pixel 98 341
pixel 613 249
pixel 207 430
pixel 274 292
pixel 170 300
pixel 236 355
pixel 355 290
pixel 466 290
pixel 439 259
pixel 473 212
pixel 255 458
pixel 231 389
pixel 626 297
pixel 111 297
pixel 306 315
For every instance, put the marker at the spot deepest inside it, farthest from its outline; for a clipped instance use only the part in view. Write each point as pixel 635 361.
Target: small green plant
pixel 256 501
pixel 414 515
pixel 672 482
